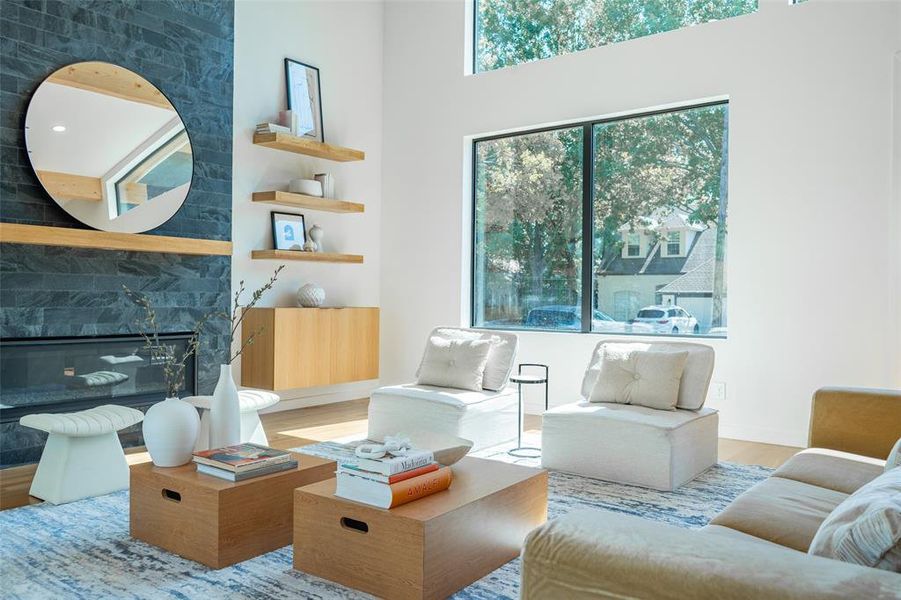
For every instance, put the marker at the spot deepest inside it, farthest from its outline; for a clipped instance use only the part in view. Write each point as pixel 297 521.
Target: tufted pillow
pixel 648 379
pixel 500 358
pixel 454 363
pixel 865 528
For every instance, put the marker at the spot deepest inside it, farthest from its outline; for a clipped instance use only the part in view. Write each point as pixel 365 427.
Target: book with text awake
pixel 382 495
pixel 392 465
pixel 355 470
pixel 244 475
pixel 241 457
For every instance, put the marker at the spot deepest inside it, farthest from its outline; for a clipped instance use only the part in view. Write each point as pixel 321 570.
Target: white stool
pixel 83 456
pixel 251 401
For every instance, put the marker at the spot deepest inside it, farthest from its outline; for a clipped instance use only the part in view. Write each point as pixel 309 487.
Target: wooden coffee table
pixel 214 521
pixel 429 548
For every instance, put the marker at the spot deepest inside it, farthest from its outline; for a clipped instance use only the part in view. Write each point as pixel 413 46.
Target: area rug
pixel 82 549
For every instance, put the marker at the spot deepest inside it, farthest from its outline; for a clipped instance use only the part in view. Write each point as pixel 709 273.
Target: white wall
pixel 812 283
pixel 344 40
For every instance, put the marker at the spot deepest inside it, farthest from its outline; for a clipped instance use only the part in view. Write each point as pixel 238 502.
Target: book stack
pixel 272 128
pixel 393 480
pixel 243 461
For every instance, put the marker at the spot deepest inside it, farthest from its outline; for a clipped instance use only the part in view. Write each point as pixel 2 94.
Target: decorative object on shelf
pixel 304 99
pixel 520 380
pixel 310 295
pixel 134 181
pixel 309 246
pixel 288 119
pixel 316 234
pixel 327 180
pixel 225 408
pixel 170 432
pixel 288 231
pixel 169 429
pixel 271 128
pixel 308 187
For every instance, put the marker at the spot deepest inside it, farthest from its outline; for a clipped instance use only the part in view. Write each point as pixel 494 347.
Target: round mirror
pixel 109 147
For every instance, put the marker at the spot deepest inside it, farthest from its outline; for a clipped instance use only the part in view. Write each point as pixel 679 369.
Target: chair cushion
pixel 500 358
pixel 782 511
pixel 454 363
pixel 91 422
pixel 831 469
pixel 865 529
pixel 695 377
pixel 576 412
pixel 648 379
pixel 249 400
pixel 449 396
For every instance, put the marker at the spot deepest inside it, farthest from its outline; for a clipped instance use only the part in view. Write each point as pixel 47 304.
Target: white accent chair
pixel 251 402
pixel 83 456
pixel 487 417
pixel 630 444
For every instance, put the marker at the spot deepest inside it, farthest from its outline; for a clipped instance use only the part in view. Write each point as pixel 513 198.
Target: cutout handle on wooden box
pixel 354 525
pixel 171 495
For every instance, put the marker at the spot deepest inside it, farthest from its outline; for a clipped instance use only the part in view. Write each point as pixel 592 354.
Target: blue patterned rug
pixel 82 549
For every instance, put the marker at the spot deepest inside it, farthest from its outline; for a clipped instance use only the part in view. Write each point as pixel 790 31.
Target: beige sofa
pixel 755 548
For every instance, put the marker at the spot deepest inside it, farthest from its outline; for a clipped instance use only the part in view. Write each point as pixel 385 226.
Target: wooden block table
pixel 213 521
pixel 429 548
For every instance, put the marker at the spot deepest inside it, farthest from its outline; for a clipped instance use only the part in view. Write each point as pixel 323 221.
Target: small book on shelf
pixel 383 495
pixel 242 457
pixel 244 475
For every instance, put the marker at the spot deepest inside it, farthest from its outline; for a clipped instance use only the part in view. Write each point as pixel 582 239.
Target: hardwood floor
pixel 331 421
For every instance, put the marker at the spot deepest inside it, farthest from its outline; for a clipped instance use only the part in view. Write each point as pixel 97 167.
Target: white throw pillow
pixel 865 528
pixel 894 457
pixel 648 379
pixel 454 363
pixel 500 358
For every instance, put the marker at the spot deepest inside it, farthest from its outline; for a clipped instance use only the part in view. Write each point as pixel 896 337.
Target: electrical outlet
pixel 719 390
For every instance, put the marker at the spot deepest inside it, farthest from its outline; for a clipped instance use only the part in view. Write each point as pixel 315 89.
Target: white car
pixel 666 319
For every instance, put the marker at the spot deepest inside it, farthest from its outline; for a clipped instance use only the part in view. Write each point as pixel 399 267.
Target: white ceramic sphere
pixel 170 432
pixel 310 295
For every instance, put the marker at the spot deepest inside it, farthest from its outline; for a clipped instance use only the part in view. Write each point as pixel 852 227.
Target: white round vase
pixel 310 296
pixel 170 432
pixel 225 411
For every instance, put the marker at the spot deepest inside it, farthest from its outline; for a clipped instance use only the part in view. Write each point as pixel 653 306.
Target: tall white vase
pixel 225 411
pixel 170 431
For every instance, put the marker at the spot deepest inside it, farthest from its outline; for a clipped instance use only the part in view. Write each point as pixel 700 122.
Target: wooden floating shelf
pixel 299 145
pixel 307 256
pixel 304 201
pixel 40 235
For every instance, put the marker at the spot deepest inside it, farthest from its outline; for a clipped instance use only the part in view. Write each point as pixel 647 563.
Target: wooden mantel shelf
pixel 311 202
pixel 40 235
pixel 299 145
pixel 307 256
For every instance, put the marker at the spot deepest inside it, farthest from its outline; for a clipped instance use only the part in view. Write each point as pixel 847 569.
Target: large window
pixel 615 226
pixel 509 32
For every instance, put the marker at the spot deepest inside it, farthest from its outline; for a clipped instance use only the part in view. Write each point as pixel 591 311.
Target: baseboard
pixel 763 435
pixel 294 399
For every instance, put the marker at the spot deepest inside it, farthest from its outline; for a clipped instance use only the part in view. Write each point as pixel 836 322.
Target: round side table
pixel 521 379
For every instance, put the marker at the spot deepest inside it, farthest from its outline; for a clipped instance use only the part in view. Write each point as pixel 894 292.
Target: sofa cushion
pixel 649 379
pixel 782 511
pixel 625 414
pixel 695 377
pixel 725 533
pixel 831 469
pixel 500 357
pixel 460 399
pixel 454 363
pixel 865 529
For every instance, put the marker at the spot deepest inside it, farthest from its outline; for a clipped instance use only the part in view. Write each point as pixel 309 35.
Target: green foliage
pixel 516 31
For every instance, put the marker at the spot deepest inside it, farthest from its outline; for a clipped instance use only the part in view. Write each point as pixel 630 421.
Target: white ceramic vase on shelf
pixel 170 432
pixel 225 411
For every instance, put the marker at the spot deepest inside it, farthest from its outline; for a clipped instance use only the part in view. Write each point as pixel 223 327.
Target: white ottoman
pixel 251 401
pixel 83 456
pixel 485 418
pixel 659 449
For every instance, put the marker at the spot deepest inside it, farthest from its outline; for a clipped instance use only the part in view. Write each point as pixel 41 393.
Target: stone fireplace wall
pixel 186 50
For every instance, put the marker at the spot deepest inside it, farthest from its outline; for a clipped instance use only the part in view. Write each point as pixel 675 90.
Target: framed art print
pixel 305 99
pixel 288 231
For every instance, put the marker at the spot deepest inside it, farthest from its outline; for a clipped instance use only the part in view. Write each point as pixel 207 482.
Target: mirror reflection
pixel 109 147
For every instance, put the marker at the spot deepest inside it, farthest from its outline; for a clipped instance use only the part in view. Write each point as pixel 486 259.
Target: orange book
pixel 382 495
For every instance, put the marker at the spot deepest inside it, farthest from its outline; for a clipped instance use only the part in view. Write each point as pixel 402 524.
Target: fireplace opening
pixel 75 373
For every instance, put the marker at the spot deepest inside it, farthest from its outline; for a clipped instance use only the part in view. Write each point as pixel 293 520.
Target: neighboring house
pixel 667 262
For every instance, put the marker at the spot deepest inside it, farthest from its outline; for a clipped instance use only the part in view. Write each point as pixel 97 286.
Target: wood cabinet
pixel 308 347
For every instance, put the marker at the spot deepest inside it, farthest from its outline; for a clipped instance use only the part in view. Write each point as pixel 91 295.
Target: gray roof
pixel 702 249
pixel 697 281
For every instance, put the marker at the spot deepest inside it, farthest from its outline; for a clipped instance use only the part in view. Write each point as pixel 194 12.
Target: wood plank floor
pixel 331 421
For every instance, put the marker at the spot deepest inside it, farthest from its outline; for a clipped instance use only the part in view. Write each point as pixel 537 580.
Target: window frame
pixel 587 257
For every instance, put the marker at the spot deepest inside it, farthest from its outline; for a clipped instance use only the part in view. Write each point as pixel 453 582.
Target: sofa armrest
pixel 592 554
pixel 860 421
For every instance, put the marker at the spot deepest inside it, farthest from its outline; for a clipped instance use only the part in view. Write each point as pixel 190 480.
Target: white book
pixel 391 465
